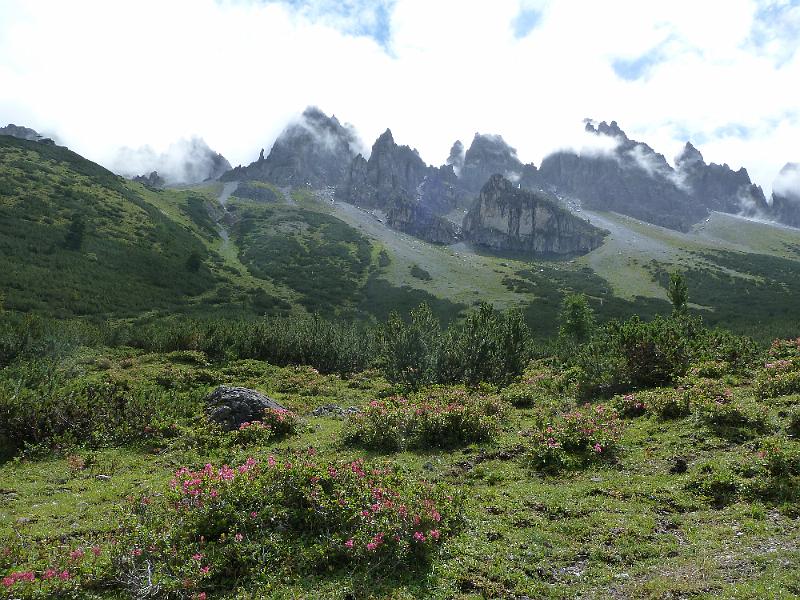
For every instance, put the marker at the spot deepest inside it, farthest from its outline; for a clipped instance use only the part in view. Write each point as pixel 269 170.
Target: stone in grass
pixel 334 410
pixel 232 406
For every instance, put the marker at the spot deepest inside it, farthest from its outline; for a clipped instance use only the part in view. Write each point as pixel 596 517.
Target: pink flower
pixel 201 596
pixel 253 515
pixel 137 552
pixel 96 550
pixel 372 546
pixel 49 574
pixel 349 543
pixel 198 557
pixel 271 461
pixel 205 570
pixel 436 516
pixel 64 575
pixel 434 533
pixel 598 448
pixel 419 536
pixel 238 537
pixel 76 554
pixel 9 581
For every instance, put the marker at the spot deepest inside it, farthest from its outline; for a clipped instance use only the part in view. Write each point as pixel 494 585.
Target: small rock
pixel 103 477
pixel 680 466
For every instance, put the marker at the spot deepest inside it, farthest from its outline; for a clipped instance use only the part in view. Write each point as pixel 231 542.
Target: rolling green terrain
pixel 536 429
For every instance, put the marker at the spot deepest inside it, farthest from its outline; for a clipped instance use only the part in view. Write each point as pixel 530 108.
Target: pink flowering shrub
pixel 631 405
pixel 717 405
pixel 574 439
pixel 779 377
pixel 441 418
pixel 219 526
pixel 50 570
pixel 275 423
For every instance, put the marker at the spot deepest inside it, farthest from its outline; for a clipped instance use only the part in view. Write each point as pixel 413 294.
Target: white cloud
pixel 104 74
pixel 788 182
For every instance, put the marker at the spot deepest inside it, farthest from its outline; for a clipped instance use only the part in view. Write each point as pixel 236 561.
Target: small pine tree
pixel 576 318
pixel 194 262
pixel 73 240
pixel 678 291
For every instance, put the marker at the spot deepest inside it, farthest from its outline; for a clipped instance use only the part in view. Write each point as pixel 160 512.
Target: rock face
pixel 632 179
pixel 456 157
pixel 18 131
pixel 508 218
pixel 392 171
pixel 718 187
pixel 153 180
pixel 489 155
pixel 786 196
pixel 415 219
pixel 412 194
pixel 185 162
pixel 316 150
pixel 232 406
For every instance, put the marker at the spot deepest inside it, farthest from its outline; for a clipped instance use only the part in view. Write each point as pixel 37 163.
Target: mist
pixel 235 72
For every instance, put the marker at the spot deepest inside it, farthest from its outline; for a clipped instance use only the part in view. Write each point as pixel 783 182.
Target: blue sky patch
pixel 526 21
pixel 637 68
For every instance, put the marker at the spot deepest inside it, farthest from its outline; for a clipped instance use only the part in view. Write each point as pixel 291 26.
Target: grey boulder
pixel 232 406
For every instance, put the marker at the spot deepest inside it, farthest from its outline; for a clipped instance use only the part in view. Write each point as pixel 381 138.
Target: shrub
pixel 779 377
pixel 576 318
pixel 488 347
pixel 630 405
pixel 575 439
pixel 276 423
pixel 715 405
pixel 667 403
pixel 44 406
pixel 409 350
pixel 217 528
pixel 718 483
pixel 442 418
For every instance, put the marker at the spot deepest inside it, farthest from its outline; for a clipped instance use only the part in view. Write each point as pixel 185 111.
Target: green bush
pixel 218 528
pixel 440 418
pixel 575 439
pixel 779 377
pixel 667 403
pixel 40 405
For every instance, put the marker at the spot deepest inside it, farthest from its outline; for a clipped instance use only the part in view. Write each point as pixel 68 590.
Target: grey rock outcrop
pixel 187 161
pixel 391 172
pixel 632 179
pixel 456 157
pixel 232 406
pixel 316 150
pixel 490 155
pixel 153 180
pixel 718 187
pixel 506 217
pixel 786 196
pixel 416 219
pixel 23 133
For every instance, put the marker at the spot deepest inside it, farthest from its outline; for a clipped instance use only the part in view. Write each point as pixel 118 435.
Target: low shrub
pixel 39 571
pixel 217 528
pixel 41 405
pixel 630 405
pixel 779 377
pixel 576 439
pixel 717 405
pixel 667 403
pixel 441 418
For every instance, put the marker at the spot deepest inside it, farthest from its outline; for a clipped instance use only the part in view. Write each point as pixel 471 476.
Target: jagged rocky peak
pixel 610 129
pixel 313 150
pixel 186 161
pixel 152 180
pixel 786 195
pixel 456 157
pixel 489 155
pixel 506 217
pixel 718 187
pixel 391 172
pixel 24 133
pixel 688 156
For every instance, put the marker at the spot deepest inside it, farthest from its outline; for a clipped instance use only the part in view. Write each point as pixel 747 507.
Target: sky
pixel 102 74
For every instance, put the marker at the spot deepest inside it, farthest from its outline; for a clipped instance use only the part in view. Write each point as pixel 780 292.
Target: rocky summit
pixel 786 196
pixel 506 217
pixel 631 179
pixel 489 155
pixel 718 187
pixel 315 150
